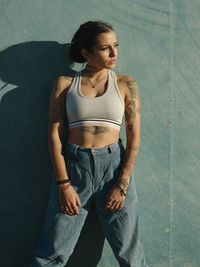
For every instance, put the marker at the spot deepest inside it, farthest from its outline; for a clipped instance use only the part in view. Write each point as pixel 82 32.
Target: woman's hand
pixel 69 201
pixel 114 199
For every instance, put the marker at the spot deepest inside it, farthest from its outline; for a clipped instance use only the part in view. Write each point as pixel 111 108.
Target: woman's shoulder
pixel 125 80
pixel 62 83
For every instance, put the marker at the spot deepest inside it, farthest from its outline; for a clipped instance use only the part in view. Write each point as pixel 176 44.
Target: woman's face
pixel 104 54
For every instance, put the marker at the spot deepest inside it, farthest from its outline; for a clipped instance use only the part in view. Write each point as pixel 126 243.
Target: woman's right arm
pixel 69 199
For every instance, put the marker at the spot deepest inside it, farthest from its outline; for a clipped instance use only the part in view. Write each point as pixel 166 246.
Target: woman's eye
pixel 104 48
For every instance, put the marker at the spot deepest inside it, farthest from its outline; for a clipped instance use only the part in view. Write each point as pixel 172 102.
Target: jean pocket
pixel 131 195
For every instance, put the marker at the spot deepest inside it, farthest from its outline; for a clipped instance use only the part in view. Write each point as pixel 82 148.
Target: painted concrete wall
pixel 160 48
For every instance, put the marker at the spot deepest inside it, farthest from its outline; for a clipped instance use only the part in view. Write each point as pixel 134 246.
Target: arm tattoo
pixel 123 183
pixel 129 162
pixel 133 89
pixel 131 107
pixel 129 127
pixel 95 129
pixel 135 148
pixel 128 167
pixel 130 110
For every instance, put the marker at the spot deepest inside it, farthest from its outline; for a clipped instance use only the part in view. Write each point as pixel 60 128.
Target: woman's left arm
pixel 132 122
pixel 116 197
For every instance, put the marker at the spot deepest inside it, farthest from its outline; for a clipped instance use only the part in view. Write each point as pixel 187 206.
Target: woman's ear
pixel 85 54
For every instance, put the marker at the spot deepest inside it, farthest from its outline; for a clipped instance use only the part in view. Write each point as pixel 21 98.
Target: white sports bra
pixel 104 110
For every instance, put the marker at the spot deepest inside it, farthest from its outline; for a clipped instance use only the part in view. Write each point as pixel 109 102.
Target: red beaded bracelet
pixel 62 188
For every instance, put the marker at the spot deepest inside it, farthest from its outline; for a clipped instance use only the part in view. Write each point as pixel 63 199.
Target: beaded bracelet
pixel 63 188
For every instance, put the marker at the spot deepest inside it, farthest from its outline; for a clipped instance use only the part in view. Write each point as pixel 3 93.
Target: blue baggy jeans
pixel 93 171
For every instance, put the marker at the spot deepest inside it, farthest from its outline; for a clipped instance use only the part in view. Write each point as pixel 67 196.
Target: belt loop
pixel 109 149
pixel 75 149
pixel 73 155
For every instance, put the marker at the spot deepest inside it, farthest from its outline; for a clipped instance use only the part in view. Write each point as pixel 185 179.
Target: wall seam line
pixel 171 133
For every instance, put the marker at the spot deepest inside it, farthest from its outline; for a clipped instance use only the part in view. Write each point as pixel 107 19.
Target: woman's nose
pixel 113 51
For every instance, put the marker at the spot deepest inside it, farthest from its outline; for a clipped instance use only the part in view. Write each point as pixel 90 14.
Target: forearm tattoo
pixel 95 129
pixel 131 111
pixel 129 161
pixel 123 183
pixel 128 167
pixel 135 148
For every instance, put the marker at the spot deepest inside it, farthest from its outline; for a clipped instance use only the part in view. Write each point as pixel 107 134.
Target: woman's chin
pixel 112 65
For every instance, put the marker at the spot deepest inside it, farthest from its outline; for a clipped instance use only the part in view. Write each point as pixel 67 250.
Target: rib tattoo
pixel 95 129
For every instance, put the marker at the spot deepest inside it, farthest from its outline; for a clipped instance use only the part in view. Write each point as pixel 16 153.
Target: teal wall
pixel 160 48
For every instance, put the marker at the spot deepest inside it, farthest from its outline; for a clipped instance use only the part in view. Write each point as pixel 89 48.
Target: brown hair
pixel 85 38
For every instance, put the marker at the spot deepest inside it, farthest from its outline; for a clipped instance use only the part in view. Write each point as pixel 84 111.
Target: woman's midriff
pixel 93 136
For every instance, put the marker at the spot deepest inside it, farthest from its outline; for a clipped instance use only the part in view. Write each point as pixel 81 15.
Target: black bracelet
pixel 63 181
pixel 121 190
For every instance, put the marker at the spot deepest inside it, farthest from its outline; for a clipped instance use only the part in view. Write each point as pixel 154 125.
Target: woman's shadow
pixel 27 72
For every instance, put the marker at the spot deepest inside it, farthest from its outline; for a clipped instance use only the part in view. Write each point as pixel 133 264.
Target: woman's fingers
pixel 68 208
pixel 114 200
pixel 71 210
pixel 68 211
pixel 111 204
pixel 75 208
pixel 69 202
pixel 78 202
pixel 65 209
pixel 108 203
pixel 120 205
pixel 114 205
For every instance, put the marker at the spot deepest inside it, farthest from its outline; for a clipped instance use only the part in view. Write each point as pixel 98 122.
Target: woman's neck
pixel 94 72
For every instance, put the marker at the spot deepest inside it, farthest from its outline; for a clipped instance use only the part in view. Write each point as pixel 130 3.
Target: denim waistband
pixel 73 148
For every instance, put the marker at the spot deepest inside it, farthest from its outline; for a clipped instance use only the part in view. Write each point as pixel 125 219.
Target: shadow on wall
pixel 28 71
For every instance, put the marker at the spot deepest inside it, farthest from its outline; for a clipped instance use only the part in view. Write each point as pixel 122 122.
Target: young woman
pixel 93 165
